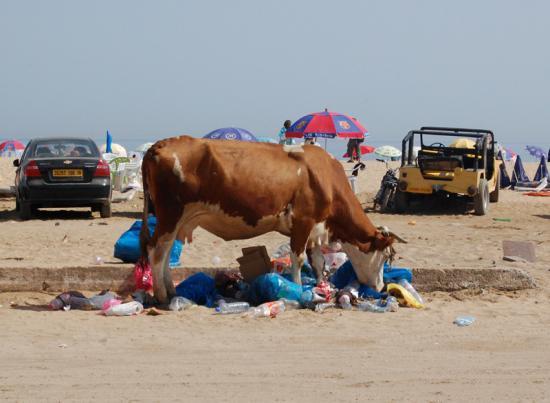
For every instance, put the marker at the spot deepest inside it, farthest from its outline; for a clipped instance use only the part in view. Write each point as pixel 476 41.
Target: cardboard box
pixel 254 262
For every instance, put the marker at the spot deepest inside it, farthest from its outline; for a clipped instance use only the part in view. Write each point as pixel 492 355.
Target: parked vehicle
pixel 385 196
pixel 468 166
pixel 62 172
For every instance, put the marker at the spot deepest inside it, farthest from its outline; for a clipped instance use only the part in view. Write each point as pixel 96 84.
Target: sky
pixel 147 70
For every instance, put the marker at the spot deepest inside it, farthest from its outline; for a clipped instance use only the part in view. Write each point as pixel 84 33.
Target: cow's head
pixel 368 259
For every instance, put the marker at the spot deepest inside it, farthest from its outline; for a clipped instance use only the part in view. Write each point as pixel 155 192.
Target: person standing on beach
pixel 354 145
pixel 282 139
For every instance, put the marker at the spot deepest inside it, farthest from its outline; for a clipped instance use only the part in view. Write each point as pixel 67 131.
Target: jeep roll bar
pixel 408 142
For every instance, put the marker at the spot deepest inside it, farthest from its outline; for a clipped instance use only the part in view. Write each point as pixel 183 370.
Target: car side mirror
pixel 16 162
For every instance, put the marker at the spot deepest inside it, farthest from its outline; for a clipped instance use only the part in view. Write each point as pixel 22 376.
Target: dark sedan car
pixel 62 172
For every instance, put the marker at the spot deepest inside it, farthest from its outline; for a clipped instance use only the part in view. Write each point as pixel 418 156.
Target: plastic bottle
pixel 282 251
pixel 323 306
pixel 232 307
pixel 345 302
pixel 180 304
pixel 98 300
pixel 127 309
pixel 70 300
pixel 370 307
pixel 408 286
pixel 78 303
pixel 390 304
pixel 269 309
pixel 290 304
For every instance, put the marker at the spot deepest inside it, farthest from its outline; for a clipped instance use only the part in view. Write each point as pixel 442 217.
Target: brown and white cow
pixel 239 190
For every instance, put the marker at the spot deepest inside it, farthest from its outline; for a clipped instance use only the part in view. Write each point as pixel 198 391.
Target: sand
pixel 411 355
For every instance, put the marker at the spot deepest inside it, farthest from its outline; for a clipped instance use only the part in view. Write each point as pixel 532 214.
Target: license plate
pixel 65 173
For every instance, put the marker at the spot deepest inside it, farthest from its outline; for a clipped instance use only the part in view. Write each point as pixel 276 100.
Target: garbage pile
pixel 262 288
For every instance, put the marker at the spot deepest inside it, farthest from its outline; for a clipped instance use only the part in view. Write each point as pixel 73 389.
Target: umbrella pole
pixel 325 144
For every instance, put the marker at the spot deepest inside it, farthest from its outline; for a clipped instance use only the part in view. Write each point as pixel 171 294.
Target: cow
pixel 239 190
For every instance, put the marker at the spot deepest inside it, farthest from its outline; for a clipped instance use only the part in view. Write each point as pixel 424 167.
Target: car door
pixel 18 169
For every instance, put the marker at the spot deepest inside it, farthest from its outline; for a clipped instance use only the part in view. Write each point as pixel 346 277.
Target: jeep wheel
pixel 481 199
pixel 105 210
pixel 493 196
pixel 401 201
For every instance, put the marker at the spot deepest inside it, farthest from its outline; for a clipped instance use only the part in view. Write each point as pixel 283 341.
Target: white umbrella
pixel 144 147
pixel 117 149
pixel 388 152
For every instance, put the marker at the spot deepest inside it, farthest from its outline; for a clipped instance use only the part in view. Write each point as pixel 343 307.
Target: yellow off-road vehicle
pixel 451 161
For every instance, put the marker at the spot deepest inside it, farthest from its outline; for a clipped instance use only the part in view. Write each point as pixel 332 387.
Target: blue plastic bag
pixel 127 247
pixel 271 287
pixel 306 274
pixel 199 288
pixel 346 274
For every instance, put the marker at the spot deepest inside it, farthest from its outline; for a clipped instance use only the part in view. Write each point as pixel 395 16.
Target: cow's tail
pixel 145 235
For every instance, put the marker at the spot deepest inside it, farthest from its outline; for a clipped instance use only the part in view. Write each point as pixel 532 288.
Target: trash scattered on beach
pixel 257 294
pixel 502 219
pixel 464 320
pixel 180 304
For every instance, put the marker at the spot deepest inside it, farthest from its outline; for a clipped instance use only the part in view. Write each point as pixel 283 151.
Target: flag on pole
pixel 109 143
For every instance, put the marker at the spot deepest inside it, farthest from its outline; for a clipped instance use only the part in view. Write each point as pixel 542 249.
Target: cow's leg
pixel 318 262
pixel 163 238
pixel 298 240
pixel 166 273
pixel 158 259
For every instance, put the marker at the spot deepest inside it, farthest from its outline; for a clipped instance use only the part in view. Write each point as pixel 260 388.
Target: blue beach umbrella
pixel 231 133
pixel 535 151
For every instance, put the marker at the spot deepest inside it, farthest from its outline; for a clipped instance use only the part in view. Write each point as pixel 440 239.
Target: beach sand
pixel 411 355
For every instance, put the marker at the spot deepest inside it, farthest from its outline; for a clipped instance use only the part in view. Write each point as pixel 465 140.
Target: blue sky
pixel 148 70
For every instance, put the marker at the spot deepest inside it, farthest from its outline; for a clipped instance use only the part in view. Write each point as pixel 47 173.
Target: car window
pixel 61 148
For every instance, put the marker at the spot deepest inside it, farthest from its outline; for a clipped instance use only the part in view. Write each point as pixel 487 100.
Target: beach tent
pixel 504 177
pixel 519 174
pixel 542 170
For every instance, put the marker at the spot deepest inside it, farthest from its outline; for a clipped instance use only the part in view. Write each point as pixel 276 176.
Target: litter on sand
pixel 462 321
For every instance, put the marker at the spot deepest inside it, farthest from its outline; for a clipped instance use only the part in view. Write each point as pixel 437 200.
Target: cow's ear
pixel 382 241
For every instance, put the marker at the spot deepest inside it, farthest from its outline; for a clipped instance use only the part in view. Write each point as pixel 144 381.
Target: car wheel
pixel 481 199
pixel 25 211
pixel 401 201
pixel 493 196
pixel 105 210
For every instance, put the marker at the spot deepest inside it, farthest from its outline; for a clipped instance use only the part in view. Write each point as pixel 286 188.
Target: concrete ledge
pixel 119 277
pixel 502 279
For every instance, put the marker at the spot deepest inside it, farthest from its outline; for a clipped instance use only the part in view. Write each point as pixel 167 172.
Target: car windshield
pixel 64 148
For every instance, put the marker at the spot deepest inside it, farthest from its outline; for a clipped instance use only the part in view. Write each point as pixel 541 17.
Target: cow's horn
pixel 399 239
